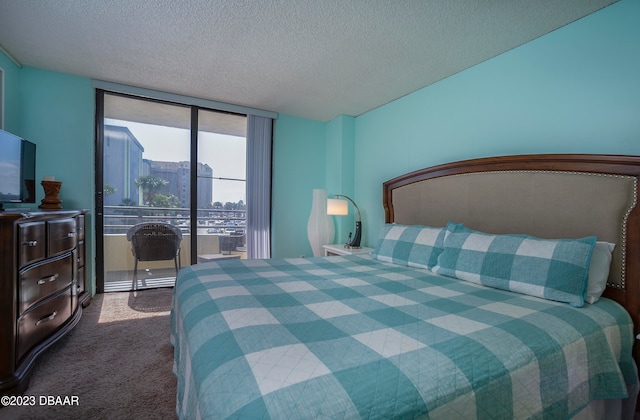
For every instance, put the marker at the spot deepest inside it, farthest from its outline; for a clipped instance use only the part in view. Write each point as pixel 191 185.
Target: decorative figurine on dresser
pixel 42 286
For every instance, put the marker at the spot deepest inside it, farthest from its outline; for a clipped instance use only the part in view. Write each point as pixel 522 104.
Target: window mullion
pixel 193 195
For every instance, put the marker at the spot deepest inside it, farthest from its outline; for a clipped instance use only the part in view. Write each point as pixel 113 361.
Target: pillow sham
pixel 599 270
pixel 411 245
pixel 554 269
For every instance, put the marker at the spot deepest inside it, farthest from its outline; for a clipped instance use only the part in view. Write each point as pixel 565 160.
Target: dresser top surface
pixel 11 215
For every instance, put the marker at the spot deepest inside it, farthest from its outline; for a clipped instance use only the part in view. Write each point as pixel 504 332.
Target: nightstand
pixel 339 249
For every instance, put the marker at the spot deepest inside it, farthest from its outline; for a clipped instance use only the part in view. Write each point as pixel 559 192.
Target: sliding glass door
pixel 221 185
pixel 171 179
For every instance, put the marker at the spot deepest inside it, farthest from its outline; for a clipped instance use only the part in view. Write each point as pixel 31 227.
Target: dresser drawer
pixel 31 242
pixel 80 227
pixel 62 236
pixel 41 321
pixel 80 254
pixel 80 281
pixel 45 279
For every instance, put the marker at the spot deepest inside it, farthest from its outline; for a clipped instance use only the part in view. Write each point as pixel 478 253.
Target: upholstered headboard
pixel 550 196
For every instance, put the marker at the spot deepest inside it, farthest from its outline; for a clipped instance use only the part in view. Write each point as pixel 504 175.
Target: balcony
pixel 221 235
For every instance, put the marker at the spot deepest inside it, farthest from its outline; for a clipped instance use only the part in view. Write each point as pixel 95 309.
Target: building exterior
pixel 178 176
pixel 124 164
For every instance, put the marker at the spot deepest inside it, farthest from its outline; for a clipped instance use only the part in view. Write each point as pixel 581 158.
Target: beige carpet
pixel 117 361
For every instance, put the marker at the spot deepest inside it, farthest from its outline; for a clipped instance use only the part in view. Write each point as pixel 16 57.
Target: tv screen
pixel 28 172
pixel 17 169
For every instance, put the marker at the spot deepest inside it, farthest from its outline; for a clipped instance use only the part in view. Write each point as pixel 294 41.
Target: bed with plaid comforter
pixel 354 337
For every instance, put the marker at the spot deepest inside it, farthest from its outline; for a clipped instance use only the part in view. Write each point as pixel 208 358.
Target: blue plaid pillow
pixel 554 269
pixel 411 245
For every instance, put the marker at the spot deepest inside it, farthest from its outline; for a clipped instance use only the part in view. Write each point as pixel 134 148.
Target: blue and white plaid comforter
pixel 353 337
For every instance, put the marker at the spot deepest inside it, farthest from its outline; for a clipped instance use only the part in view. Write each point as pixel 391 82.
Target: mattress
pixel 354 337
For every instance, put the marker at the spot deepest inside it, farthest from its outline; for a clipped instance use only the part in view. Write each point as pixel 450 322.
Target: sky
pixel 225 154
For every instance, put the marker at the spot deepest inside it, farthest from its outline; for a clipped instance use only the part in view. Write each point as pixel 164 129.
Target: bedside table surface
pixel 339 249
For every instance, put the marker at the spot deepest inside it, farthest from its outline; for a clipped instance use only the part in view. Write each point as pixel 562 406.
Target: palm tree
pixel 165 200
pixel 150 185
pixel 109 189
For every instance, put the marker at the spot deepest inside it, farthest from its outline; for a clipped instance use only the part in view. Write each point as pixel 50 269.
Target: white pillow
pixel 599 270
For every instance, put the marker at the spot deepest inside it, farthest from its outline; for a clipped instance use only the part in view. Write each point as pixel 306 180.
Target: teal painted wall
pixel 339 164
pixel 58 115
pixel 575 90
pixel 298 168
pixel 307 155
pixel 56 112
pixel 11 94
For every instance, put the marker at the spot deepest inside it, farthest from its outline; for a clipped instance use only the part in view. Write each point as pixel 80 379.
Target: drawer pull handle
pixel 50 279
pixel 71 235
pixel 47 318
pixel 30 243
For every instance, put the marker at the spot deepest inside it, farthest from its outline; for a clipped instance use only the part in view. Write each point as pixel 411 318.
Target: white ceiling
pixel 316 59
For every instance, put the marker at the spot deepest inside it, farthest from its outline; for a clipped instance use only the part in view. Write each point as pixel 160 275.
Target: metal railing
pixel 118 219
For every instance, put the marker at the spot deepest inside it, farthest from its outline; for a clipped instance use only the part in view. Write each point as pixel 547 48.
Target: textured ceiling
pixel 310 58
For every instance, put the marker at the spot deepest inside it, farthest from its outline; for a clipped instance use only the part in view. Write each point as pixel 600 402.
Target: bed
pixel 477 302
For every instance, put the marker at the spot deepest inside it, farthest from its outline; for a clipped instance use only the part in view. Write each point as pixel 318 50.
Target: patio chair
pixel 228 243
pixel 155 241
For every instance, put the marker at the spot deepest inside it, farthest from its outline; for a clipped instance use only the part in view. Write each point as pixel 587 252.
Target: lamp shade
pixel 336 207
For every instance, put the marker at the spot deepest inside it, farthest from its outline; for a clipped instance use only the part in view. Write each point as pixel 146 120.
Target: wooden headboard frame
pixel 476 192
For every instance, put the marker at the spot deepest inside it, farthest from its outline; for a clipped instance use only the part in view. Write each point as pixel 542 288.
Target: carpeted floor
pixel 117 361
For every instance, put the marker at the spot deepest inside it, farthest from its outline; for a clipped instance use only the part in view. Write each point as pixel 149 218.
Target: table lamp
pixel 337 207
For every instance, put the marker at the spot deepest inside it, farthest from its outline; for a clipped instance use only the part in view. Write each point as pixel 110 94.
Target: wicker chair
pixel 228 243
pixel 154 241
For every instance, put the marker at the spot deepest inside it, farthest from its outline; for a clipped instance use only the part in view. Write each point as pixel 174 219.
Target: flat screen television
pixel 17 170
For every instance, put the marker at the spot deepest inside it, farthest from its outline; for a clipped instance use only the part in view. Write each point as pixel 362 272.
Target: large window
pixel 167 164
pixel 1 98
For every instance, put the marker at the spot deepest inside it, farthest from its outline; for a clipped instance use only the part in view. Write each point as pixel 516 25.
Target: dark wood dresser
pixel 42 287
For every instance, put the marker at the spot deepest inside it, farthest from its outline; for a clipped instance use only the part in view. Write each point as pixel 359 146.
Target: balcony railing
pixel 217 230
pixel 118 219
